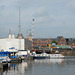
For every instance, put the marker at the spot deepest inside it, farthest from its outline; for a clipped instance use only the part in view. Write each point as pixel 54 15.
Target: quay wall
pixel 65 52
pixel 68 52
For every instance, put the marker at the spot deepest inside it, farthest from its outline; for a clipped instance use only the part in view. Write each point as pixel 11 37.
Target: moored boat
pixel 51 56
pixel 4 57
pixel 22 53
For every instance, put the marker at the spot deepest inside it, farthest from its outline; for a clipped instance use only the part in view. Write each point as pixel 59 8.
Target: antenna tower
pixel 19 30
pixel 33 34
pixel 19 22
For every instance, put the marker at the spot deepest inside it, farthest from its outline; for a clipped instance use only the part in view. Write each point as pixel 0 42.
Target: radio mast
pixel 33 34
pixel 19 30
pixel 19 22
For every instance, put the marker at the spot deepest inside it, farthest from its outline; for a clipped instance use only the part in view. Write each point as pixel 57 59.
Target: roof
pixel 45 39
pixel 62 46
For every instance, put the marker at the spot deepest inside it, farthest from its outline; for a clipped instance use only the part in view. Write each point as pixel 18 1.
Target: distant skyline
pixel 52 17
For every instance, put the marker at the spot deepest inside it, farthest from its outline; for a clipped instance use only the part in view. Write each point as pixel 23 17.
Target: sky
pixel 52 17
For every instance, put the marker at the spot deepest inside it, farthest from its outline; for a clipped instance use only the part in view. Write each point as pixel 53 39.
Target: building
pixel 62 41
pixel 12 42
pixel 28 44
pixel 41 42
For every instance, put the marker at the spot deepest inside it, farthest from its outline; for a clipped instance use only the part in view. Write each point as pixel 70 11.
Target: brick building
pixel 62 41
pixel 41 42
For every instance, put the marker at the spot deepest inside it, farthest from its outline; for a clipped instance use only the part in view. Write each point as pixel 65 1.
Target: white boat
pixel 45 55
pixel 5 59
pixel 22 53
pixel 57 56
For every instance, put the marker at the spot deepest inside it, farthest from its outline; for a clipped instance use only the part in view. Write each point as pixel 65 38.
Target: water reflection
pixel 16 68
pixel 47 61
pixel 3 70
pixel 41 67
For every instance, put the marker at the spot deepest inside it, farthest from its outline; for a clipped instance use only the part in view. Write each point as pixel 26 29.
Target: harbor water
pixel 42 67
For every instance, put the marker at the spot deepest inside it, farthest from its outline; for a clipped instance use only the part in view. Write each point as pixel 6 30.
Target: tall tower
pixel 9 31
pixel 19 22
pixel 30 32
pixel 10 35
pixel 19 30
pixel 30 36
pixel 33 34
pixel 27 34
pixel 20 36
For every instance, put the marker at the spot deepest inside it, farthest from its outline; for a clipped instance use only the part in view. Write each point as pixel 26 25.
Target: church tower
pixel 30 36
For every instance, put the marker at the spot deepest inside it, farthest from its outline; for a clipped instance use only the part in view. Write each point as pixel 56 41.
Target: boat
pixel 4 57
pixel 22 53
pixel 44 55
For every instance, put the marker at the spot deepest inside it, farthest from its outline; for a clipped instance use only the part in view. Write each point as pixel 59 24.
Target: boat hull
pixel 51 56
pixel 35 57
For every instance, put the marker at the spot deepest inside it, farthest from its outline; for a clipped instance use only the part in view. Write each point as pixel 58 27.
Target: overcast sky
pixel 52 17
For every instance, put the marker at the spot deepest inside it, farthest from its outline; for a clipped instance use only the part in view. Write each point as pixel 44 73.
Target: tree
pixel 54 42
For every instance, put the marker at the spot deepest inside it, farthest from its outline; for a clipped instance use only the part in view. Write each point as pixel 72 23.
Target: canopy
pixel 5 52
pixel 1 52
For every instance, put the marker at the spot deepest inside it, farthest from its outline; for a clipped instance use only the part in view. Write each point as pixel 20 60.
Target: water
pixel 42 67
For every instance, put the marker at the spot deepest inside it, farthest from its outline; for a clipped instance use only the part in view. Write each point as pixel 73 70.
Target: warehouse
pixel 12 42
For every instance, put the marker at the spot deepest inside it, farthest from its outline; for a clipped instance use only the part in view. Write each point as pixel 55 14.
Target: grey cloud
pixel 48 14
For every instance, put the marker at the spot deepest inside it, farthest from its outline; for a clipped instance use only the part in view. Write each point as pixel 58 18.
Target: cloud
pixel 71 3
pixel 50 16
